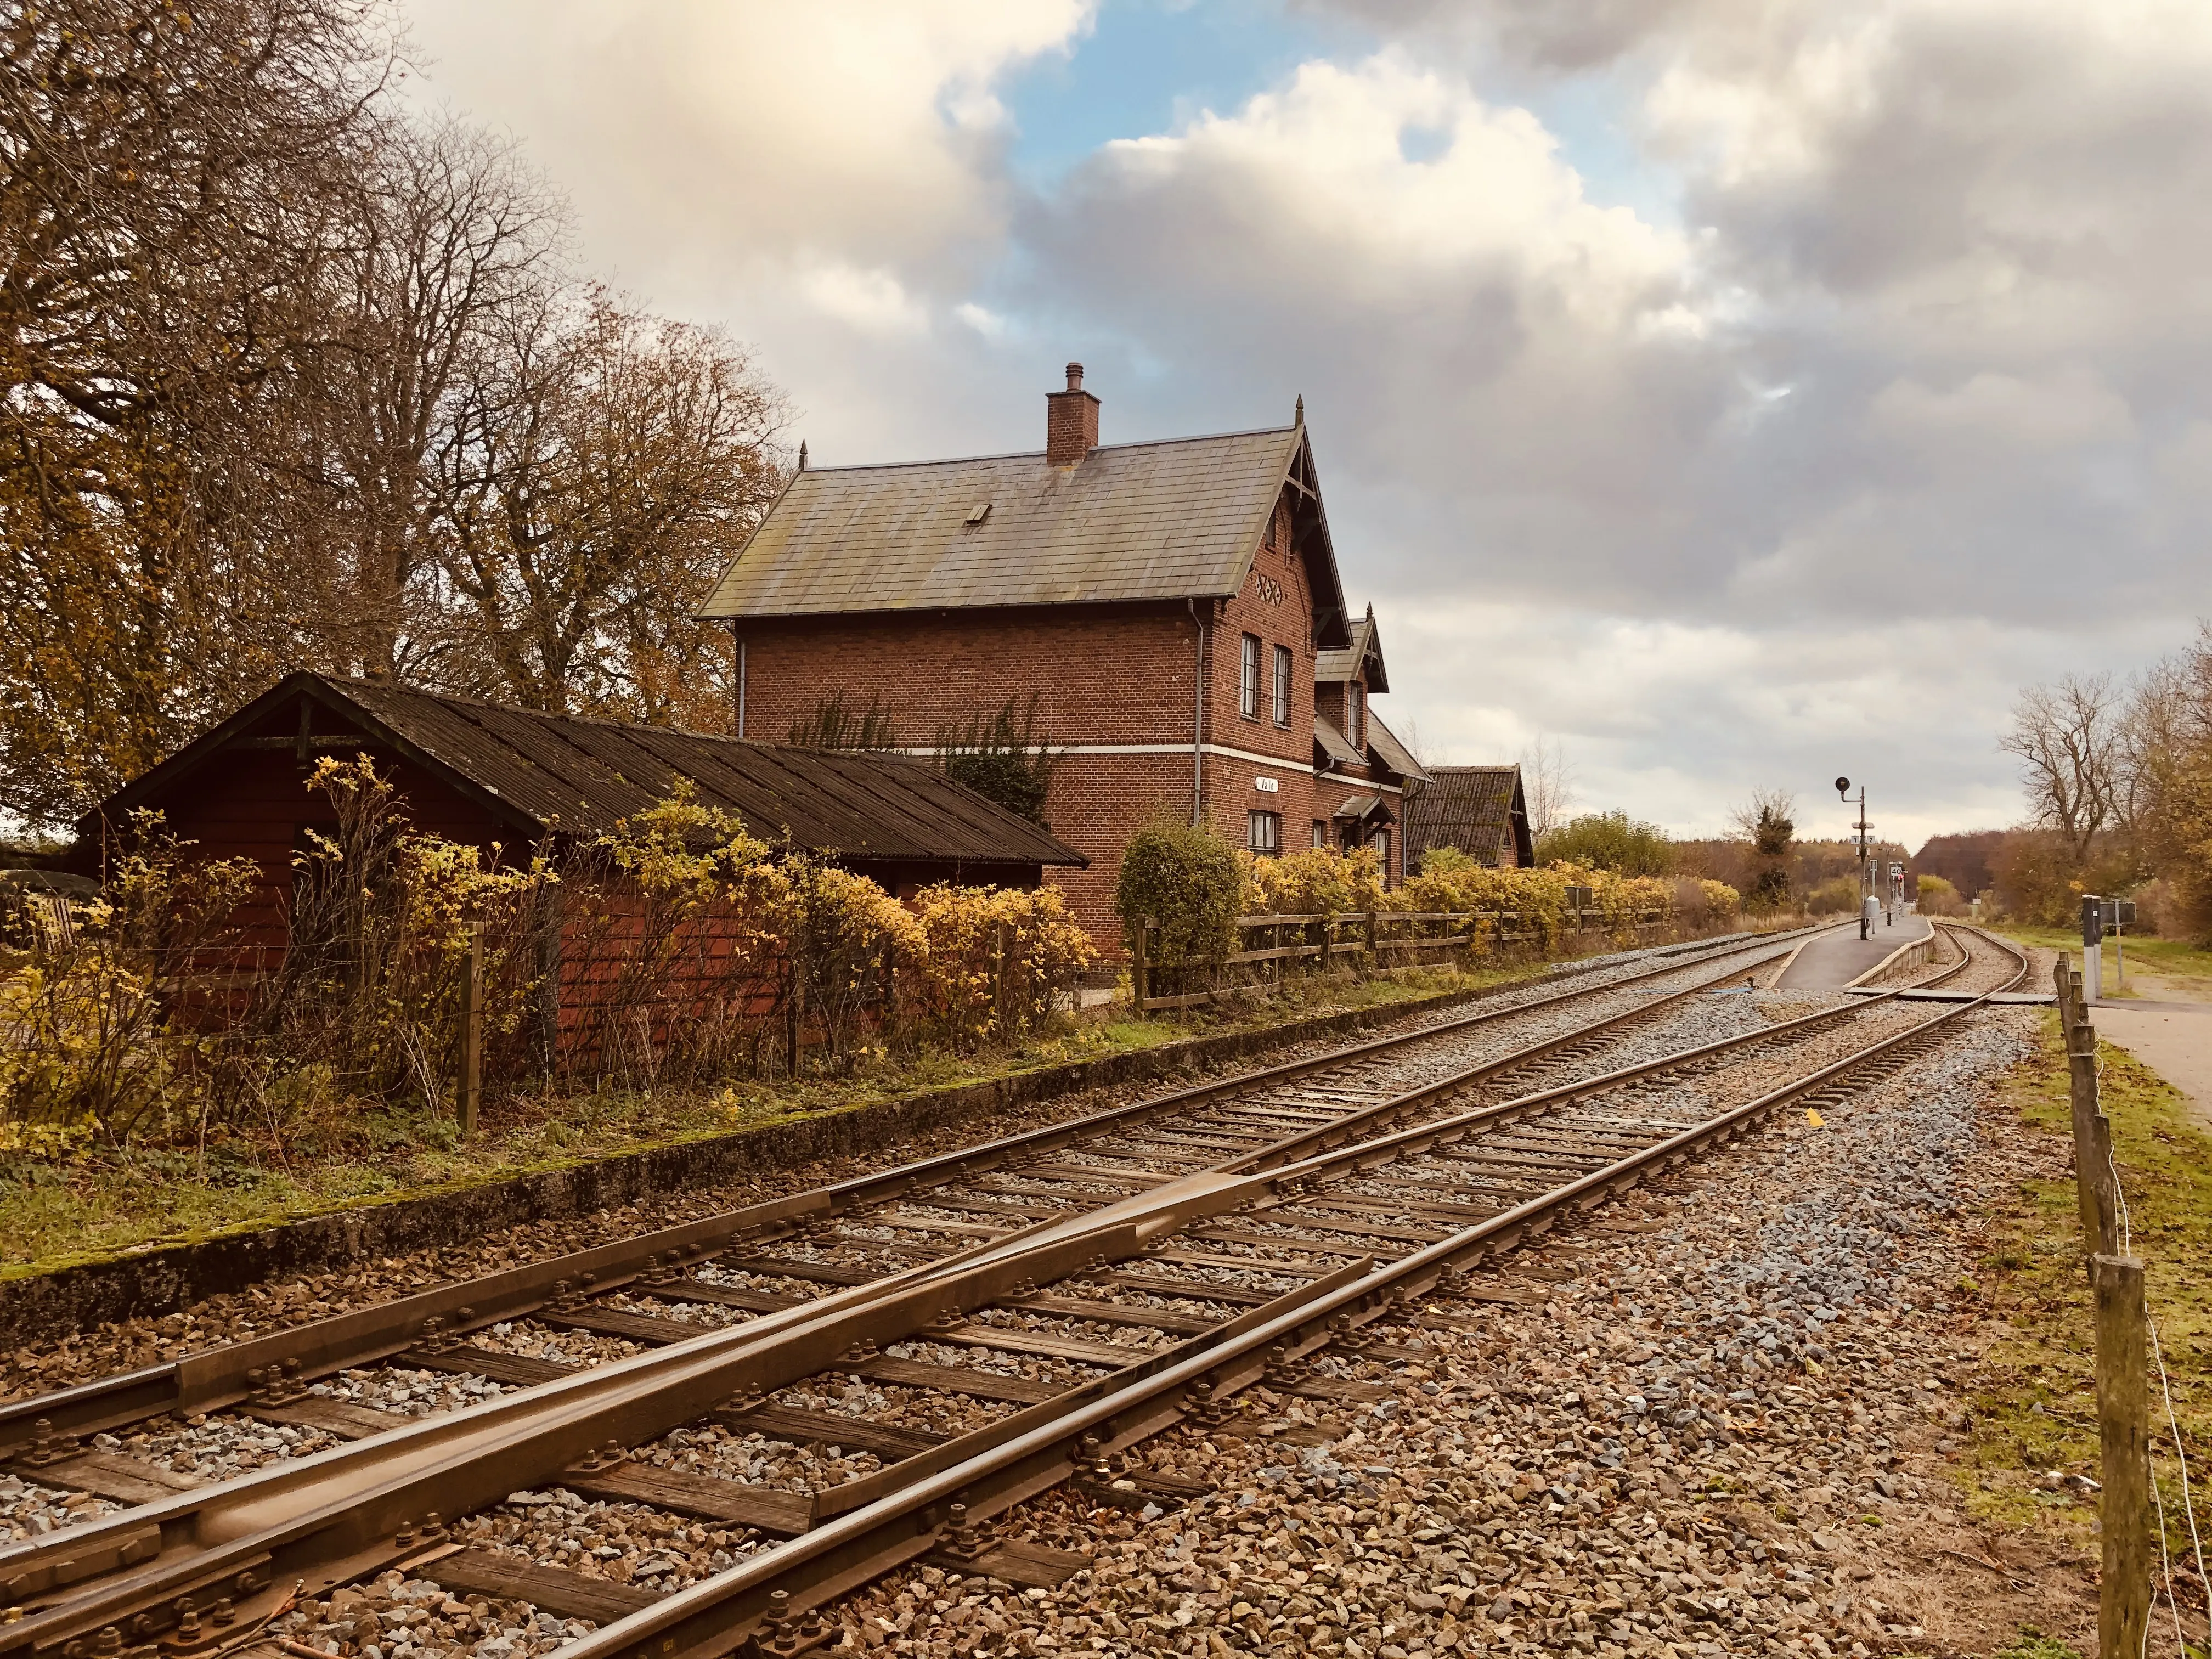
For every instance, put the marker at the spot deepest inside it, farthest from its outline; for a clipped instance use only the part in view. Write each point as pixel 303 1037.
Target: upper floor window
pixel 1355 715
pixel 1283 685
pixel 1247 678
pixel 1263 832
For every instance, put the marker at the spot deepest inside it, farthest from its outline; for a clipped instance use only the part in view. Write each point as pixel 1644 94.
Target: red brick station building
pixel 1174 606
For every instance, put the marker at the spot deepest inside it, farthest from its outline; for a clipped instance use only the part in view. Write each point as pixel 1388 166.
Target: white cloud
pixel 1896 402
pixel 872 302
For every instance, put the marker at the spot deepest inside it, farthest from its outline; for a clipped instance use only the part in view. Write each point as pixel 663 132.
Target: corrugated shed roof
pixel 1477 809
pixel 1174 520
pixel 561 773
pixel 1395 756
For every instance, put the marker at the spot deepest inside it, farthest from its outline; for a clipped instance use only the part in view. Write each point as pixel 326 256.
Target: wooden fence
pixel 1363 941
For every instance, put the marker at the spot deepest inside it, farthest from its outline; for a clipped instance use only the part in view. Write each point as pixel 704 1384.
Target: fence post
pixel 2123 1430
pixel 791 1019
pixel 471 1091
pixel 1323 929
pixel 891 1021
pixel 2092 1133
pixel 998 976
pixel 1140 976
pixel 1374 946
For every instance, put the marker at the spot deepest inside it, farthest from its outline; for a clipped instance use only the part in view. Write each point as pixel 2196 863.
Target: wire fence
pixel 2130 1357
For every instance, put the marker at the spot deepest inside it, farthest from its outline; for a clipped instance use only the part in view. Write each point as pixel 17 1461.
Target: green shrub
pixel 1609 840
pixel 1838 896
pixel 1938 898
pixel 1187 881
pixel 1002 759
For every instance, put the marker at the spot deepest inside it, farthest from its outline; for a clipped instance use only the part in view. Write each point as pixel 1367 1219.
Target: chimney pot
pixel 1071 421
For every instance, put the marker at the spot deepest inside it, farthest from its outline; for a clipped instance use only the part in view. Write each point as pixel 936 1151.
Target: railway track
pixel 1025 1311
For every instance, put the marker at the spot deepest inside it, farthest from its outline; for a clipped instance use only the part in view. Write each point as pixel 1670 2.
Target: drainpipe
pixel 740 641
pixel 1197 720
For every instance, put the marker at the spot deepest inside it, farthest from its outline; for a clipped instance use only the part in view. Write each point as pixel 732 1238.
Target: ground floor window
pixel 1382 846
pixel 1263 832
pixel 1321 832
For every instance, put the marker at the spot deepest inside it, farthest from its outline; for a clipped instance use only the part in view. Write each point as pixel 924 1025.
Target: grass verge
pixel 107 1200
pixel 2184 966
pixel 2038 1412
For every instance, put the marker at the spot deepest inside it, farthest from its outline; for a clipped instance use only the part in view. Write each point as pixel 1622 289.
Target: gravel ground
pixel 1725 1430
pixel 217 1447
pixel 35 1368
pixel 31 1511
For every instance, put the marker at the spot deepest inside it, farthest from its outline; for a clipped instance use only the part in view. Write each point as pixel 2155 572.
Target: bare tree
pixel 451 239
pixel 597 480
pixel 168 182
pixel 2070 741
pixel 1547 784
pixel 1768 821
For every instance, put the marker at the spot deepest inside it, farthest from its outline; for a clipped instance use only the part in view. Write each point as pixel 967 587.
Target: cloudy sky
pixel 1742 391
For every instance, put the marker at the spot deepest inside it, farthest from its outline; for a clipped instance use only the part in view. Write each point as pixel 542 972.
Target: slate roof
pixel 1333 743
pixel 1395 756
pixel 1334 667
pixel 565 774
pixel 1477 809
pixel 1176 519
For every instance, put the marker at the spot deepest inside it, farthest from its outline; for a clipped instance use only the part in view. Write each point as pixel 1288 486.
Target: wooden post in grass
pixel 471 1088
pixel 2124 1427
pixel 2092 1130
pixel 1140 976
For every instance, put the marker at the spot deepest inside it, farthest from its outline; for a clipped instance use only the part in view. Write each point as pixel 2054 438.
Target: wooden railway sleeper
pixel 584 1289
pixel 1208 1384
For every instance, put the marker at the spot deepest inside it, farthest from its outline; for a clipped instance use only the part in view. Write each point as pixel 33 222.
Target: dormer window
pixel 1355 715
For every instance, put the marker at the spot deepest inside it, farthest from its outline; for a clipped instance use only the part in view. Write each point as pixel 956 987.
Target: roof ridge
pixel 464 701
pixel 1039 454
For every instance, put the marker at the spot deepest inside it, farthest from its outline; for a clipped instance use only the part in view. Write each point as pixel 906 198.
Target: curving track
pixel 1061 1295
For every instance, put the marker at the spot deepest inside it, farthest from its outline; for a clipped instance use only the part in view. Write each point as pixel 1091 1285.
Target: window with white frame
pixel 1321 832
pixel 1248 680
pixel 1283 685
pixel 1263 832
pixel 1355 713
pixel 1381 843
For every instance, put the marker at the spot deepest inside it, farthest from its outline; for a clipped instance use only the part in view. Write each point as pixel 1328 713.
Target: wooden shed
pixel 1479 810
pixel 481 773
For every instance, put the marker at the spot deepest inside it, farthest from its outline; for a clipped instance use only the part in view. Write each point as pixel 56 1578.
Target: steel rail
pixel 285 1519
pixel 715 1616
pixel 216 1377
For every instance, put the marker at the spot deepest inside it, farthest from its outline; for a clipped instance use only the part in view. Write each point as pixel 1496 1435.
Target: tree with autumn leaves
pixel 295 377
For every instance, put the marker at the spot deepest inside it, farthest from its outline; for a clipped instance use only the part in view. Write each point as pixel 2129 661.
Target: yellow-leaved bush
pixel 100 1036
pixel 989 963
pixel 1532 905
pixel 677 947
pixel 1319 882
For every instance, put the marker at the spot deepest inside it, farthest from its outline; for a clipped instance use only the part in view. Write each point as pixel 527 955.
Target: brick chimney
pixel 1071 421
